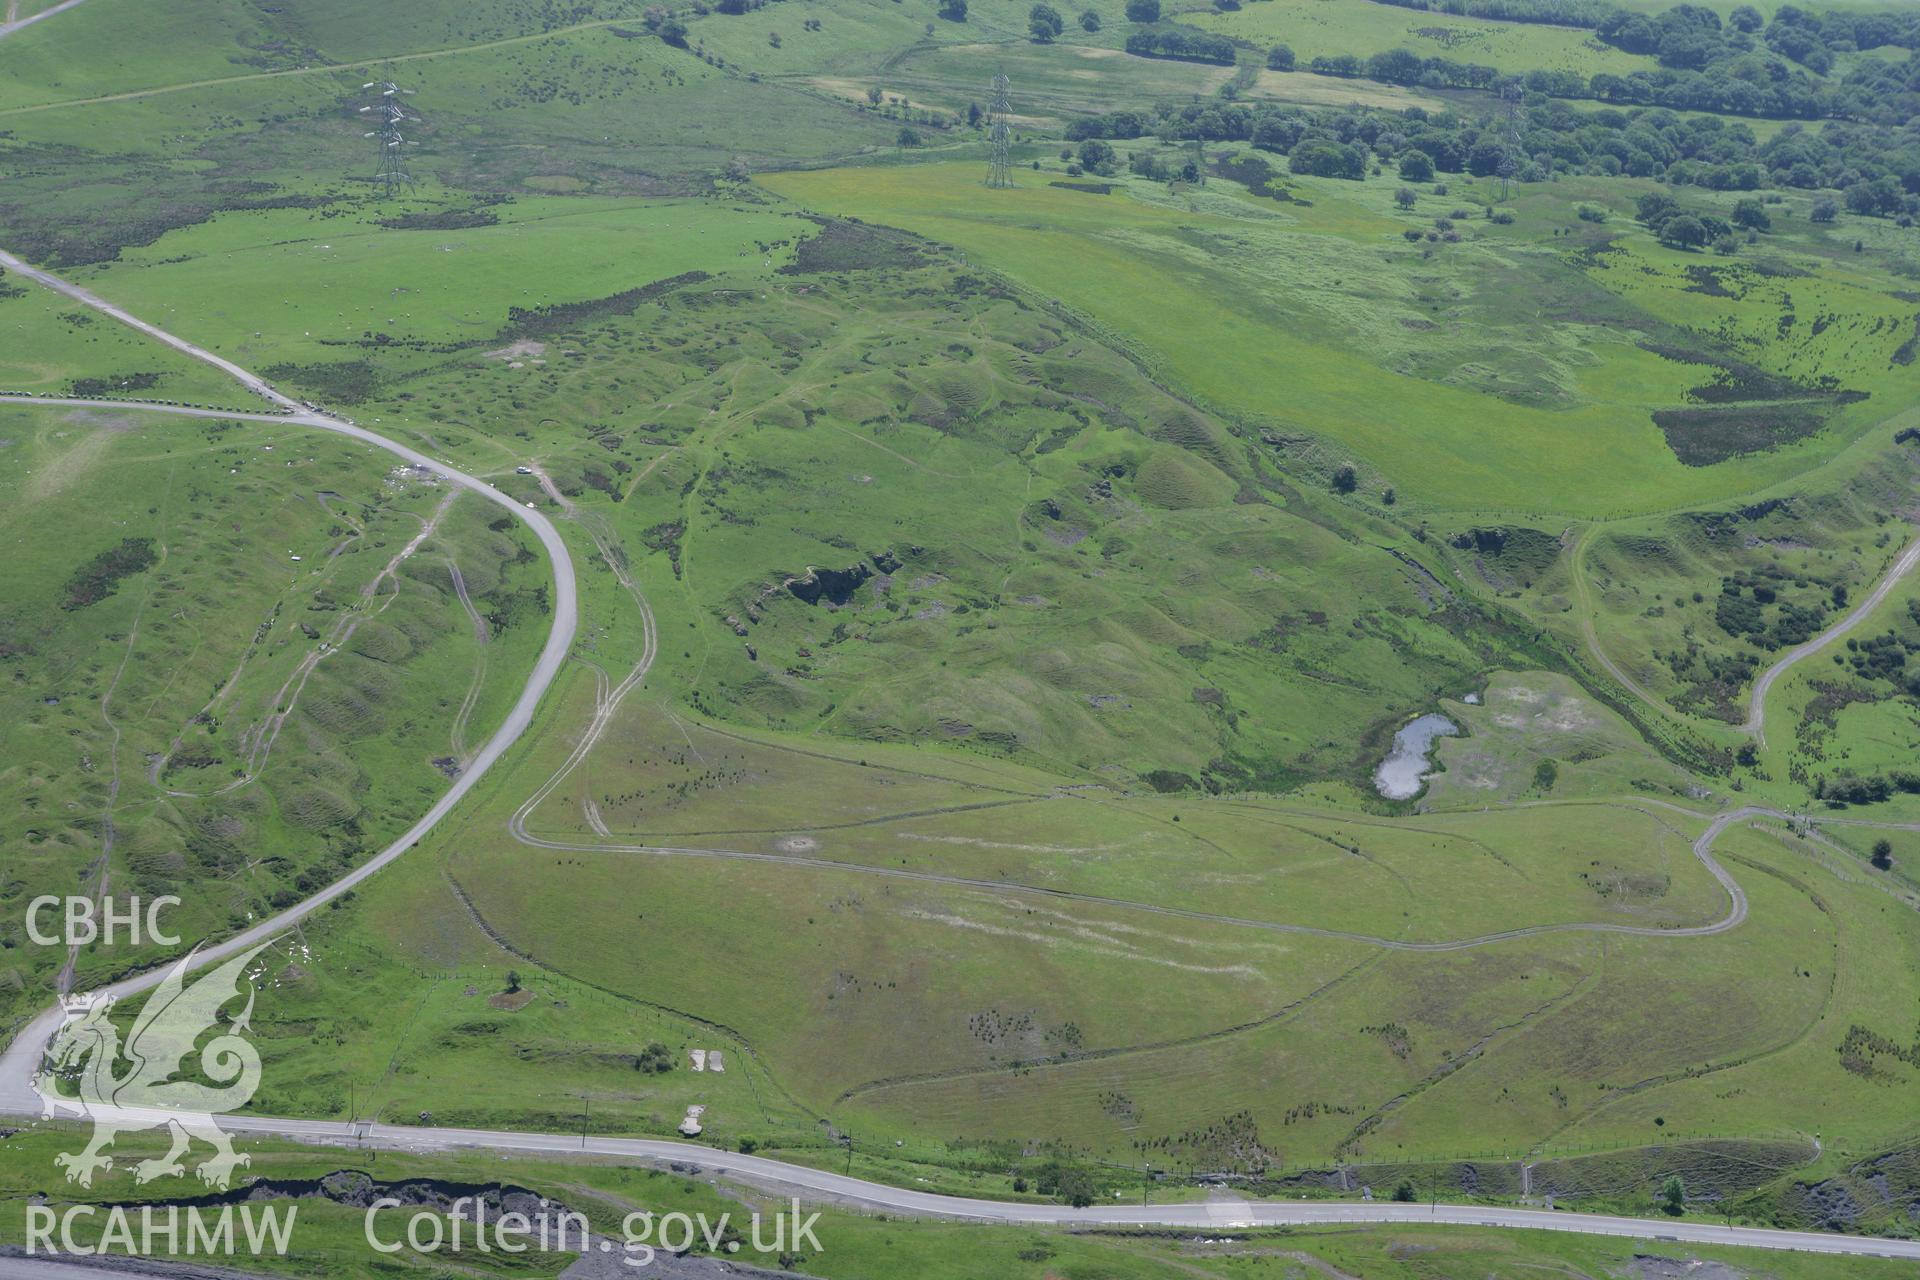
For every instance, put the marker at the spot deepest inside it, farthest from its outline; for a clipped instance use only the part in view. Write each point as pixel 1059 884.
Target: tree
pixel 1746 18
pixel 1280 58
pixel 1346 479
pixel 1396 66
pixel 908 137
pixel 674 32
pixel 1089 21
pixel 1683 231
pixel 1076 1188
pixel 1673 1196
pixel 1881 196
pixel 1143 10
pixel 1325 158
pixel 513 981
pixel 1825 209
pixel 1653 209
pixel 1405 197
pixel 1416 166
pixel 1749 214
pixel 1883 854
pixel 974 115
pixel 953 10
pixel 1487 157
pixel 1404 1193
pixel 1045 22
pixel 1097 156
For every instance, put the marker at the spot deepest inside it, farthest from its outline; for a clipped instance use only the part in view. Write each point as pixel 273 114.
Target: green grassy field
pixel 1227 319
pixel 1104 486
pixel 54 347
pixel 1315 28
pixel 1028 583
pixel 1058 82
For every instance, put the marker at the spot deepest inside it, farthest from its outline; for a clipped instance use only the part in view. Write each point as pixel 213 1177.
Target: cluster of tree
pixel 658 20
pixel 655 1059
pixel 1558 13
pixel 1693 37
pixel 1751 83
pixel 1876 166
pixel 1737 66
pixel 1187 44
pixel 1847 787
pixel 1044 23
pixel 1159 168
pixel 1071 1183
pixel 1692 231
pixel 1398 66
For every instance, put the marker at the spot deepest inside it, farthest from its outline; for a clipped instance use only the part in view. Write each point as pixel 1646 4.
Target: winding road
pixel 1755 723
pixel 20 1064
pixel 1757 703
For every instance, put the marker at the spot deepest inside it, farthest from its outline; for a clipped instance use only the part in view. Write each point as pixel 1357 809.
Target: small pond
pixel 1404 772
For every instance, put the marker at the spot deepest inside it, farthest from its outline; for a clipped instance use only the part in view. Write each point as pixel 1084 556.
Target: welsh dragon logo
pixel 148 1094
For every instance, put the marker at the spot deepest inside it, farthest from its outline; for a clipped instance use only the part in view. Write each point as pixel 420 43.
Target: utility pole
pixel 389 115
pixel 1512 96
pixel 999 133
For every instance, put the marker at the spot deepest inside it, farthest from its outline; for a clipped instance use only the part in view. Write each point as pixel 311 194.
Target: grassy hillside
pixel 995 604
pixel 1231 317
pixel 252 675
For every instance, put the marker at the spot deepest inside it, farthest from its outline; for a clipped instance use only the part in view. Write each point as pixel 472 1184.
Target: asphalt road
pixel 20 1063
pixel 817 1185
pixel 8 28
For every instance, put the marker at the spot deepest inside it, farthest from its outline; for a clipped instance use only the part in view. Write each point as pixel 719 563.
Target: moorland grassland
pixel 994 602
